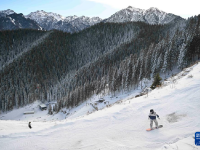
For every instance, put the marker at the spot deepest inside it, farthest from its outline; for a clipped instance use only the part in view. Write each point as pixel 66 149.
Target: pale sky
pixel 101 8
pixel 183 8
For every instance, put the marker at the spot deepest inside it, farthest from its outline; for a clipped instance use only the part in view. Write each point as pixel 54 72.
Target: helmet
pixel 151 110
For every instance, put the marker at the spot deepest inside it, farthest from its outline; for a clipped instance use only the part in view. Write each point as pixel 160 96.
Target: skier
pixel 29 125
pixel 152 117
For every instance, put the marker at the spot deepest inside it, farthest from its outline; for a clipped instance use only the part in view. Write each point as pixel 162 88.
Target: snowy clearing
pixel 122 126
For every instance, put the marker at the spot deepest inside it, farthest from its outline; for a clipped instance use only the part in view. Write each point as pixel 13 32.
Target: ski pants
pixel 151 122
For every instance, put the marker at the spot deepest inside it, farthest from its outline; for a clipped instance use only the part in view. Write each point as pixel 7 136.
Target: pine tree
pixel 181 61
pixel 50 110
pixel 110 79
pixel 129 76
pixel 56 108
pixel 114 83
pixel 156 81
pixel 166 62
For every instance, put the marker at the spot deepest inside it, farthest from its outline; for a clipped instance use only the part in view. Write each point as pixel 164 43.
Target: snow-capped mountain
pixel 49 20
pixel 3 13
pixel 42 16
pixel 70 18
pixel 151 16
pixel 84 22
pixel 10 20
pixel 7 12
pixel 44 19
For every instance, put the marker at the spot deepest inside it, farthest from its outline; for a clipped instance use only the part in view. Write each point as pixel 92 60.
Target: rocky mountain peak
pixel 152 16
pixel 7 12
pixel 42 15
pixel 134 9
pixel 153 9
pixel 50 20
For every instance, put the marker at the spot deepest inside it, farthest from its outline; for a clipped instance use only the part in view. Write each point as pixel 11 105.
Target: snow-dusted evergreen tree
pixel 166 62
pixel 55 108
pixel 129 76
pixel 110 80
pixel 114 81
pixel 137 72
pixel 181 57
pixel 159 62
pixel 50 112
pixel 154 61
pixel 156 81
pixel 124 75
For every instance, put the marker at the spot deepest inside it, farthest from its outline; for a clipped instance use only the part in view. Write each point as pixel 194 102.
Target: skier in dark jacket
pixel 29 125
pixel 152 117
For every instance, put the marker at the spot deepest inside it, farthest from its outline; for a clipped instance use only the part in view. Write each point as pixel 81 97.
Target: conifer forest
pixel 108 57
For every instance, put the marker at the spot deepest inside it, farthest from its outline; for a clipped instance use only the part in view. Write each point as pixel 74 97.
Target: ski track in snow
pixel 120 127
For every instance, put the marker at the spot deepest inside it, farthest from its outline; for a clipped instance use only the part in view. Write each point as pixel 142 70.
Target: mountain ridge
pixel 71 24
pixel 9 20
pixel 49 21
pixel 151 16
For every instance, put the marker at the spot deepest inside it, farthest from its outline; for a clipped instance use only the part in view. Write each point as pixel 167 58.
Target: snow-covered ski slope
pixel 122 126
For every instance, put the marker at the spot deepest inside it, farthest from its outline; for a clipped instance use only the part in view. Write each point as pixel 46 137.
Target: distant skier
pixel 152 117
pixel 29 125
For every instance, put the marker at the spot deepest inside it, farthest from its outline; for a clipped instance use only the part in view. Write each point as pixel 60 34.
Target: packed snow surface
pixel 120 126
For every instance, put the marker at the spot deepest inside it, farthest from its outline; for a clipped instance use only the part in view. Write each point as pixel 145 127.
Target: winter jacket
pixel 29 125
pixel 153 115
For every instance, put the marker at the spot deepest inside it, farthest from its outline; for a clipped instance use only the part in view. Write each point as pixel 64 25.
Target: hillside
pixel 71 68
pixel 60 59
pixel 121 126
